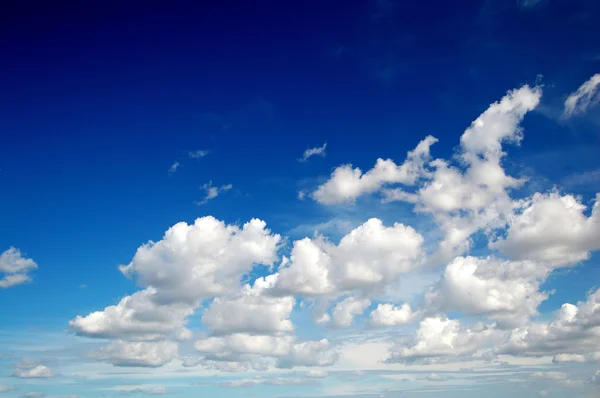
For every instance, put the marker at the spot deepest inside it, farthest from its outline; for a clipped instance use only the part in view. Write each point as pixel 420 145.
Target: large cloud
pixel 370 256
pixel 14 268
pixel 553 229
pixel 573 334
pixel 251 311
pixel 440 338
pixel 191 262
pixel 142 354
pixel 506 291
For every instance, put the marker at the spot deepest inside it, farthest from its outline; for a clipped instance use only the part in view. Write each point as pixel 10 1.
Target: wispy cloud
pixel 212 191
pixel 582 99
pixel 176 165
pixel 200 153
pixel 316 151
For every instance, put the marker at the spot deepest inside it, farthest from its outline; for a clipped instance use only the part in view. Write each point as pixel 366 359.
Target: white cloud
pixel 573 330
pixel 390 315
pixel 142 354
pixel 345 310
pixel 14 268
pixel 347 184
pixel 582 99
pixel 435 377
pixel 555 376
pixel 176 165
pixel 317 151
pixel 316 373
pixel 309 353
pixel 150 390
pixel 552 229
pixel 197 154
pixel 213 192
pixel 251 312
pixel 577 358
pixel 596 378
pixel 191 262
pixel 440 338
pixel 368 257
pixel 7 388
pixel 36 372
pixel 506 291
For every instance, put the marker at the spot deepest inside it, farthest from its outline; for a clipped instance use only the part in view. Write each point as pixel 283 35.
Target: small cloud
pixel 153 390
pixel 36 372
pixel 435 377
pixel 317 151
pixel 7 388
pixel 212 192
pixel 174 167
pixel 543 393
pixel 14 268
pixel 82 286
pixel 302 194
pixel 585 97
pixel 33 395
pixel 200 153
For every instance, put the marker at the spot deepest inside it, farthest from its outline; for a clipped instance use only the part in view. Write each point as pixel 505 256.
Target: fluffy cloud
pixel 191 262
pixel 368 257
pixel 552 229
pixel 439 338
pixel 390 315
pixel 36 372
pixel 142 354
pixel 506 291
pixel 242 350
pixel 346 184
pixel 251 312
pixel 572 331
pixel 14 268
pixel 585 96
pixel 317 151
pixel 345 310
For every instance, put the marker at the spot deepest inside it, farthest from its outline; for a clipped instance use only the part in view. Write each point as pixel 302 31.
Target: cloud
pixel 141 354
pixel 347 184
pixel 7 388
pixel 368 257
pixel 442 338
pixel 151 390
pixel 36 372
pixel 435 377
pixel 315 373
pixel 198 154
pixel 14 268
pixel 585 97
pixel 506 291
pixel 317 151
pixel 251 312
pixel 555 376
pixel 176 165
pixel 213 192
pixel 192 262
pixel 33 394
pixel 572 331
pixel 390 315
pixel 345 310
pixel 553 229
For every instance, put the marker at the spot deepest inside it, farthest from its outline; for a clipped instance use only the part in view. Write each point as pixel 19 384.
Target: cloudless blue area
pixel 99 98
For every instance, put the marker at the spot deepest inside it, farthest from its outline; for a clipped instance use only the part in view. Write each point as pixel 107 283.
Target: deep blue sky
pixel 99 98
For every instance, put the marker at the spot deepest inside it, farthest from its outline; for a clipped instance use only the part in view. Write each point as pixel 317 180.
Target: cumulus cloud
pixel 553 229
pixel 242 349
pixel 572 333
pixel 506 291
pixel 368 257
pixel 346 183
pixel 585 97
pixel 36 372
pixel 251 312
pixel 345 311
pixel 191 262
pixel 212 192
pixel 14 268
pixel 440 338
pixel 142 354
pixel 390 315
pixel 317 151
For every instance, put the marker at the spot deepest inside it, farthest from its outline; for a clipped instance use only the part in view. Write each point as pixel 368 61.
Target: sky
pixel 368 199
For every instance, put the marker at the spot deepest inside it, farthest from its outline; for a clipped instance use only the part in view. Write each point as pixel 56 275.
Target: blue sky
pixel 420 272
